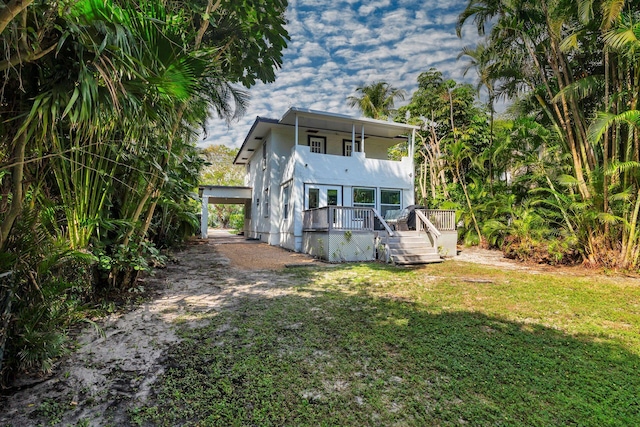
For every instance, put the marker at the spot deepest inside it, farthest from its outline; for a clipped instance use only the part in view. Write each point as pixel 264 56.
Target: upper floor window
pixel 347 147
pixel 318 144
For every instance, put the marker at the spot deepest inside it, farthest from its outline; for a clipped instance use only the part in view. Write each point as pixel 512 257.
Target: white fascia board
pixel 306 112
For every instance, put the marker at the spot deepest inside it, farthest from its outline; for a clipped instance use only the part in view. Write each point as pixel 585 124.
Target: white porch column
pixel 362 139
pixel 353 138
pixel 296 129
pixel 204 217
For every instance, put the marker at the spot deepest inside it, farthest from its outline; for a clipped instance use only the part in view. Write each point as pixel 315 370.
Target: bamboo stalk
pixel 17 193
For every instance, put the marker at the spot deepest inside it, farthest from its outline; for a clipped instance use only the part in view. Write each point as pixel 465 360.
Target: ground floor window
pixel 364 197
pixel 332 197
pixel 314 198
pixel 389 201
pixel 285 201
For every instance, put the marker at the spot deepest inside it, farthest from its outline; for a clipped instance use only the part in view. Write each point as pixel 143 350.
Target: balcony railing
pixel 338 218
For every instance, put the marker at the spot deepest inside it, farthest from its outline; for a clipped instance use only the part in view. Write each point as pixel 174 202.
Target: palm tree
pixel 575 59
pixel 377 100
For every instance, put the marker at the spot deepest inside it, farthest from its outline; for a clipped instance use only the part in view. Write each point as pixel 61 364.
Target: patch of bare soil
pixel 496 259
pixel 110 374
pixel 487 257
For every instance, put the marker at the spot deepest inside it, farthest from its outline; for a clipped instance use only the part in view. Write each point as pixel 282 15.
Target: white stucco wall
pixel 258 178
pixel 297 166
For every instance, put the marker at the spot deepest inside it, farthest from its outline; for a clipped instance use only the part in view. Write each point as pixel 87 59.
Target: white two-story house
pixel 324 184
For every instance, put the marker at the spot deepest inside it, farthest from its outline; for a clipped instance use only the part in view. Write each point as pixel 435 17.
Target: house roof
pixel 322 121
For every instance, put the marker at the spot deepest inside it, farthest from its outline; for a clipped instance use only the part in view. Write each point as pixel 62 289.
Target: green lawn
pixel 448 344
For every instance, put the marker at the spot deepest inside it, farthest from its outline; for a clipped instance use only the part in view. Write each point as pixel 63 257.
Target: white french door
pixel 319 196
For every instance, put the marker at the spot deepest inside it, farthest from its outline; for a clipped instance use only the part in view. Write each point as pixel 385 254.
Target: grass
pixel 450 344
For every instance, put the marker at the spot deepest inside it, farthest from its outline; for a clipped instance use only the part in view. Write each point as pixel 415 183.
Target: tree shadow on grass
pixel 333 359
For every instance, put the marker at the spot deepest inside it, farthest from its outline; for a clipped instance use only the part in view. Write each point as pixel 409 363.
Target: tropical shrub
pixel 236 222
pixel 101 103
pixel 51 289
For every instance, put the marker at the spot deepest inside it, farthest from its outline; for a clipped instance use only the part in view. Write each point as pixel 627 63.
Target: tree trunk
pixel 17 190
pixel 466 196
pixel 11 10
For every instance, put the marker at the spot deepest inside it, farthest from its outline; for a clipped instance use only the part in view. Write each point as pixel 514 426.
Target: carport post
pixel 204 217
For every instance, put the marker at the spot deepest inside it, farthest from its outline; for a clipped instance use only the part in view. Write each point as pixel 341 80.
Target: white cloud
pixel 313 50
pixel 338 46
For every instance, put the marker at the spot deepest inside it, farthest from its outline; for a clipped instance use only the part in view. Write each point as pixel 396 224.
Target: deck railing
pixel 348 218
pixel 444 220
pixel 424 224
pixel 338 218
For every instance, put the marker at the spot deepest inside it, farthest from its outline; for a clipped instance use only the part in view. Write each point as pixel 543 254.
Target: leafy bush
pixel 51 286
pixel 174 221
pixel 236 221
pixel 553 252
pixel 119 266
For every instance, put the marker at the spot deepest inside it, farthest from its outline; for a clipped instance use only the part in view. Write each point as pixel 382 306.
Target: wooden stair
pixel 409 248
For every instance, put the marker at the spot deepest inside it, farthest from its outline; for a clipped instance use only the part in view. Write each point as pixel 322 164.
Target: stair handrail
pixel 383 222
pixel 432 228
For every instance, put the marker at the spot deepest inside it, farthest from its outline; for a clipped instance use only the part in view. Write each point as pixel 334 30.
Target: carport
pixel 221 195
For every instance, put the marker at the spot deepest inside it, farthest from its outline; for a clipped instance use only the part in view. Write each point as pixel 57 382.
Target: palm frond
pixel 622 196
pixel 581 89
pixel 607 218
pixel 611 10
pixel 571 42
pixel 585 11
pixel 617 167
pixel 567 180
pixel 605 120
pixel 626 33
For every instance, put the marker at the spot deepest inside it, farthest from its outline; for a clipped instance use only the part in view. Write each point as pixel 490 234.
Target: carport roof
pixel 225 195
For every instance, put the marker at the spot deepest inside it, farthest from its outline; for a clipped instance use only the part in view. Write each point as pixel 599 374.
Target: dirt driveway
pixel 253 255
pixel 99 382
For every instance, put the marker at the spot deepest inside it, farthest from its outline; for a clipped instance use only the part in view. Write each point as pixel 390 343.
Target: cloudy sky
pixel 339 45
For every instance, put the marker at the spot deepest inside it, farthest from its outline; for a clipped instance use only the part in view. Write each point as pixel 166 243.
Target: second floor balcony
pixel 355 169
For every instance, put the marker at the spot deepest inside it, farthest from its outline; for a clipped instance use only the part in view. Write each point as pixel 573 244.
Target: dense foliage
pixel 101 101
pixel 557 177
pixel 572 68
